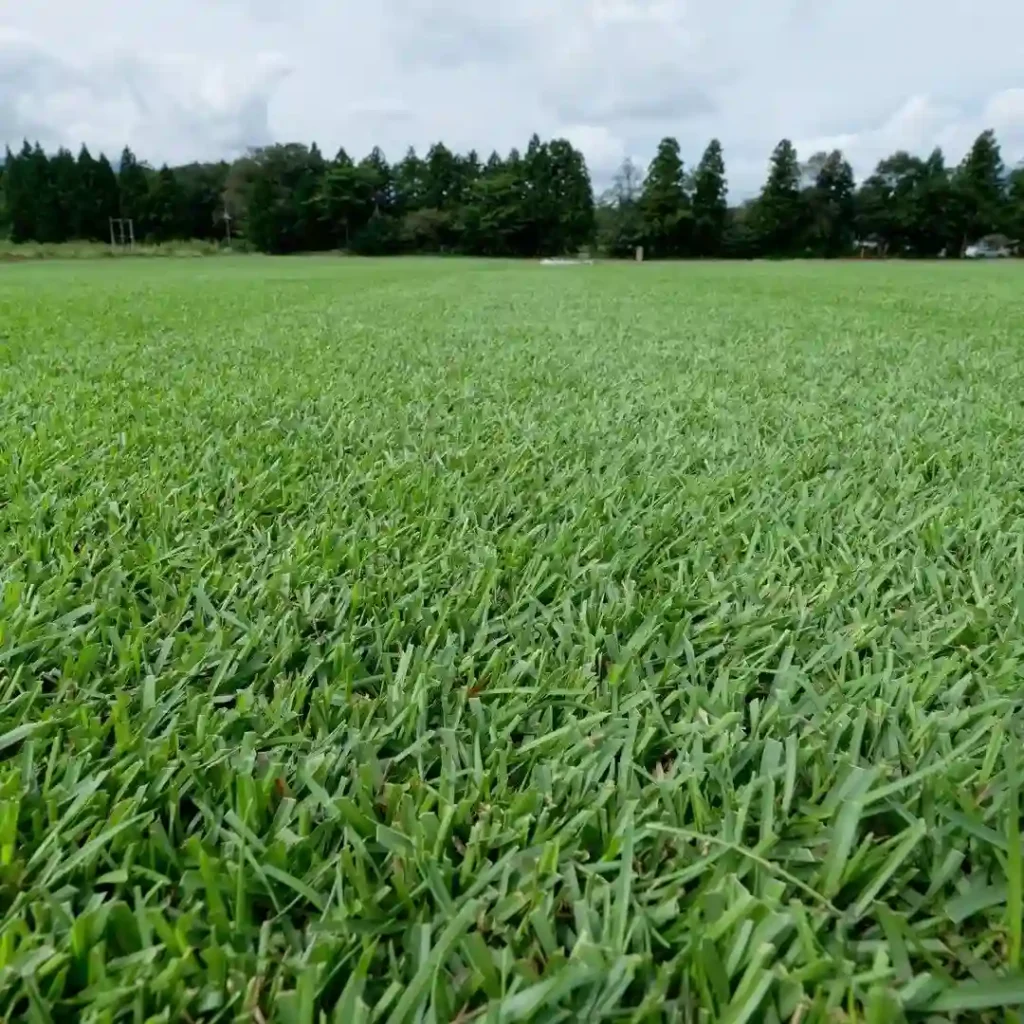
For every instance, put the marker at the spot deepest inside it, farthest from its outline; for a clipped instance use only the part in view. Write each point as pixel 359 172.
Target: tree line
pixel 538 201
pixel 290 198
pixel 909 206
pixel 61 197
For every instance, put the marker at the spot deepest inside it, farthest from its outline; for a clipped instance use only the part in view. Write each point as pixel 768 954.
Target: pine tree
pixel 65 196
pixel 441 178
pixel 540 218
pixel 97 198
pixel 664 205
pixel 107 198
pixel 779 213
pixel 981 184
pixel 263 222
pixel 410 183
pixel 165 207
pixel 20 204
pixel 133 192
pixel 380 176
pixel 48 214
pixel 86 200
pixel 5 216
pixel 1015 217
pixel 936 213
pixel 571 198
pixel 305 182
pixel 710 206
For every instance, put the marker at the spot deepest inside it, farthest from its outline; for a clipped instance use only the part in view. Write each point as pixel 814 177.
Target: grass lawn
pixel 414 641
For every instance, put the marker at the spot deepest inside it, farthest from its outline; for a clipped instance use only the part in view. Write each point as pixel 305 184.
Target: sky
pixel 183 80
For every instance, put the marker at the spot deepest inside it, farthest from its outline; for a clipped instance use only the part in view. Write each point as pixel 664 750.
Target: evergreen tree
pixel 441 181
pixel 106 199
pixel 432 227
pixel 1015 211
pixel 981 184
pixel 779 213
pixel 470 170
pixel 48 215
pixel 5 216
pixel 20 202
pixel 165 207
pixel 263 219
pixel 287 198
pixel 97 197
pixel 664 205
pixel 85 199
pixel 345 200
pixel 935 219
pixel 202 187
pixel 832 204
pixel 410 183
pixel 382 180
pixel 709 202
pixel 540 218
pixel 571 199
pixel 133 192
pixel 497 218
pixel 65 196
pixel 309 232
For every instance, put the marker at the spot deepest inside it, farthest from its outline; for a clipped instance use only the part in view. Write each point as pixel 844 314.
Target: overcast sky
pixel 200 79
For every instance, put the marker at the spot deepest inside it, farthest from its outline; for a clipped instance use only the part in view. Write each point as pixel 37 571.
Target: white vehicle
pixel 986 251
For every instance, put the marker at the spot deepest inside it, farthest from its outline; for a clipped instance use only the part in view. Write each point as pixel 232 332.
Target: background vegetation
pixel 290 198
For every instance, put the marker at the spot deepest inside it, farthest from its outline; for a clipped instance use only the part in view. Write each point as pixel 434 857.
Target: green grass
pixel 425 640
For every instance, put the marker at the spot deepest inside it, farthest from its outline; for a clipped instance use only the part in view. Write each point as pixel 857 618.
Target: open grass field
pixel 421 641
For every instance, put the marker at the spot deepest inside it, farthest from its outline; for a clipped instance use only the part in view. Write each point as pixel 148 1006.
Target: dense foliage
pixel 291 198
pixel 415 642
pixel 61 198
pixel 907 207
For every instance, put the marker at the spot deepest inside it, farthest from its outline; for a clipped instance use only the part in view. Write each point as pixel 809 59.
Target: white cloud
pixel 1005 113
pixel 173 105
pixel 181 79
pixel 604 150
pixel 921 124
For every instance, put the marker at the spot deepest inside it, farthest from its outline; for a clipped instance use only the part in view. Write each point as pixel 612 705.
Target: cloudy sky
pixel 198 79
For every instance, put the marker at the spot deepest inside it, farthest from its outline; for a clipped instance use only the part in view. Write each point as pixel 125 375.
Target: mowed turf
pixel 427 641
